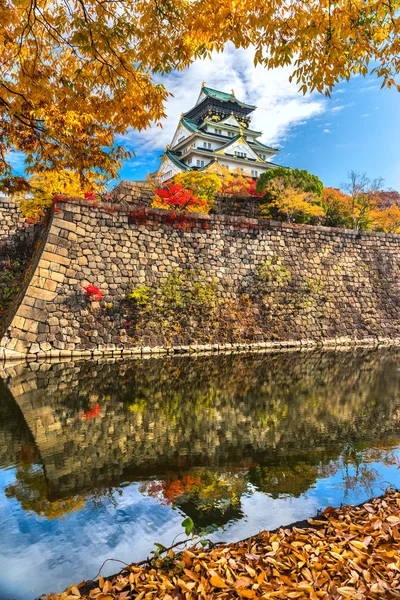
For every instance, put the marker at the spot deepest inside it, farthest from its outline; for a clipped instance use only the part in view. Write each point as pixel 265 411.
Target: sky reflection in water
pixel 101 460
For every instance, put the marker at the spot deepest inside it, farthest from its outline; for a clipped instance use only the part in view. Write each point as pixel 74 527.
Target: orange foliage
pixel 386 219
pixel 337 208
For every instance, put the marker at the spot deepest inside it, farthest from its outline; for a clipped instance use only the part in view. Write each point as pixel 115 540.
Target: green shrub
pixel 140 295
pixel 272 271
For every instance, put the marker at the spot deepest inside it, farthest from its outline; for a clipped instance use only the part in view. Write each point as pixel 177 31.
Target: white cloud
pixel 365 115
pixel 340 107
pixel 369 87
pixel 327 131
pixel 279 104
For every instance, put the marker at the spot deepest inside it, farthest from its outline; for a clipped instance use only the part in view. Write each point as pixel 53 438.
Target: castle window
pixel 189 161
pixel 207 145
pixel 200 163
pixel 219 131
pixel 182 137
pixel 254 173
pixel 230 134
pixel 240 154
pixel 166 175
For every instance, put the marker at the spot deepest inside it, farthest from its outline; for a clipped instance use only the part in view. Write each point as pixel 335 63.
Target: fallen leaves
pixel 354 553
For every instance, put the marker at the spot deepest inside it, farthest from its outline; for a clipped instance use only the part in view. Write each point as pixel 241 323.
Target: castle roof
pixel 189 124
pixel 172 156
pixel 257 143
pixel 224 97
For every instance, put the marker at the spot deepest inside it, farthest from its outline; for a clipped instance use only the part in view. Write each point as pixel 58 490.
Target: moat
pixel 102 459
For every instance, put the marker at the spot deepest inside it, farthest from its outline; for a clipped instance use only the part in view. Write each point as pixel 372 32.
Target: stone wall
pixel 134 193
pixel 14 231
pixel 17 242
pixel 212 281
pixel 138 193
pixel 238 207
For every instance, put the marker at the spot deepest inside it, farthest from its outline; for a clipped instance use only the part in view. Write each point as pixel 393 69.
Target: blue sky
pixel 355 129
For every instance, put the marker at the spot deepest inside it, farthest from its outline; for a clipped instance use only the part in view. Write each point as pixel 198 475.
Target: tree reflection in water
pixel 199 433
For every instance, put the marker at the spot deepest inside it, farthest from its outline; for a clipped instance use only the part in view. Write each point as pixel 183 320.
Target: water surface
pixel 101 460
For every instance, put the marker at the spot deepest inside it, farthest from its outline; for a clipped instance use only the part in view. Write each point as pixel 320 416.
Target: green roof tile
pixel 211 93
pixel 176 160
pixel 189 124
pixel 257 143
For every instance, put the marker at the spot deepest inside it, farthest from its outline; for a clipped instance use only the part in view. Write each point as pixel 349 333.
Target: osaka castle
pixel 216 131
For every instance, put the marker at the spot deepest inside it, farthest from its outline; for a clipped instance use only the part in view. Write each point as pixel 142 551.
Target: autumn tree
pixel 362 191
pixel 337 208
pixel 298 179
pixel 77 75
pixel 387 198
pixel 290 194
pixel 43 187
pixel 204 184
pixel 234 182
pixel 386 219
pixel 290 204
pixel 178 198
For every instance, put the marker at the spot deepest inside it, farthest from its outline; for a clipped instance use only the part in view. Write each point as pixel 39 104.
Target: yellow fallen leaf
pixel 358 545
pixel 186 587
pixel 216 581
pixel 246 593
pixel 275 546
pixel 261 577
pixel 250 571
pixel 393 519
pixel 348 591
pixel 242 582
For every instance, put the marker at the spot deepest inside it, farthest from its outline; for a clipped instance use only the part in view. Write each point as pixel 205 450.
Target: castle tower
pixel 216 130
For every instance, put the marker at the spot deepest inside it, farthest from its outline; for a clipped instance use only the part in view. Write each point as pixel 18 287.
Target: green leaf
pixel 188 525
pixel 160 546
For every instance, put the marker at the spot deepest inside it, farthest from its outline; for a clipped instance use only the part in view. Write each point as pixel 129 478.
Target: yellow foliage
pixel 291 203
pixel 43 187
pixel 386 219
pixel 75 75
pixel 204 184
pixel 233 182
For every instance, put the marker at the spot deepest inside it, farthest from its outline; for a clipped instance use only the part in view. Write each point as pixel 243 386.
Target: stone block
pixel 41 294
pixel 50 257
pixel 32 313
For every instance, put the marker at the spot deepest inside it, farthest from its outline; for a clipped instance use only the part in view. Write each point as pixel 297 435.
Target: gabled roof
pixel 245 129
pixel 224 97
pixel 189 124
pixel 175 160
pixel 238 138
pixel 257 143
pixel 231 140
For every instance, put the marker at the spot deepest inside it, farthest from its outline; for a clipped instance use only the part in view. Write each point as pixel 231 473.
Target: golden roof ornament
pixel 203 84
pixel 233 92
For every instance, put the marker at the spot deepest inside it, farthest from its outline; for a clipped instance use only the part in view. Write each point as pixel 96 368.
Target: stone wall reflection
pixel 277 422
